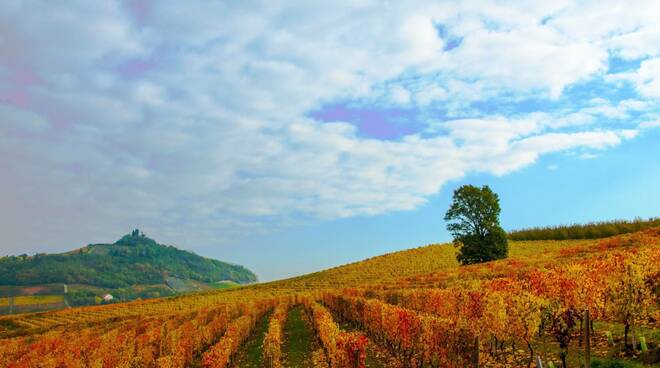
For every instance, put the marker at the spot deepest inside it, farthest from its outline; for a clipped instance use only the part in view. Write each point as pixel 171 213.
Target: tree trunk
pixel 581 333
pixel 475 356
pixel 587 340
pixel 562 355
pixel 531 354
pixel 625 336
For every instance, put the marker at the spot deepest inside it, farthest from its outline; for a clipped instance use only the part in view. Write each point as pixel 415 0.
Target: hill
pixel 385 311
pixel 395 267
pixel 132 261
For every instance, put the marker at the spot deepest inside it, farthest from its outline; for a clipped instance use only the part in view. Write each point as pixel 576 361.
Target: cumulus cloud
pixel 196 119
pixel 647 78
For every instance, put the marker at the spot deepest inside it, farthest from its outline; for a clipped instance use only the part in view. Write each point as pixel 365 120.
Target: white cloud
pixel 18 120
pixel 647 78
pixel 399 95
pixel 588 156
pixel 638 44
pixel 620 110
pixel 215 136
pixel 421 36
pixel 430 94
pixel 528 58
pixel 649 124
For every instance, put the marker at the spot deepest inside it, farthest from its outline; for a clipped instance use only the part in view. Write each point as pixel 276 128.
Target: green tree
pixel 473 221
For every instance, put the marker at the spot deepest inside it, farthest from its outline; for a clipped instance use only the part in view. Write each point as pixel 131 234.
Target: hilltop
pixel 397 267
pixel 134 266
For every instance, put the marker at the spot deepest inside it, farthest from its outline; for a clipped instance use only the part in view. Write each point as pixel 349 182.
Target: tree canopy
pixel 473 221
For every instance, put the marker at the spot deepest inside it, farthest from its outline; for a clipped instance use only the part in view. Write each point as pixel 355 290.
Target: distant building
pixel 107 297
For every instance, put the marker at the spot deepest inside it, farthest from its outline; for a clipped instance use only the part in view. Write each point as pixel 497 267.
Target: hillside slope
pixel 397 266
pixel 133 260
pixel 418 297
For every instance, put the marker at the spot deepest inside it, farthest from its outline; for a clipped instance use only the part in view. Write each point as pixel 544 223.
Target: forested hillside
pixel 132 260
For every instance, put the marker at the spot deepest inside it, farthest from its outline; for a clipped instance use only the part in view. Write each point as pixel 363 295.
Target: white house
pixel 107 297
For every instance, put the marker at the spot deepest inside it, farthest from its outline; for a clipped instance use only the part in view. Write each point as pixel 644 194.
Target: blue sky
pixel 292 136
pixel 559 189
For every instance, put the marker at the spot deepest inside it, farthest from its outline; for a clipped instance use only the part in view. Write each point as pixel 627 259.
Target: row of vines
pixel 452 317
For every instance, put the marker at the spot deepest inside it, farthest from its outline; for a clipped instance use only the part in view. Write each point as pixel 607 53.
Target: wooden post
pixel 642 344
pixel 587 340
pixel 539 362
pixel 66 291
pixel 475 354
pixel 11 305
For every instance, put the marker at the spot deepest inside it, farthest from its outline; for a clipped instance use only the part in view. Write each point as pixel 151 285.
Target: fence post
pixel 539 362
pixel 475 353
pixel 642 344
pixel 11 305
pixel 66 291
pixel 587 339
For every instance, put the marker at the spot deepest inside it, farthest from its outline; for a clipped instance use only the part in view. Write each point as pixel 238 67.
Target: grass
pixel 617 330
pixel 252 350
pixel 42 289
pixel 227 284
pixel 35 299
pixel 614 363
pixel 299 340
pixel 603 355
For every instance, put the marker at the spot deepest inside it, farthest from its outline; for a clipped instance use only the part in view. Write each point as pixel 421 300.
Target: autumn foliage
pixel 432 318
pixel 344 350
pixel 272 352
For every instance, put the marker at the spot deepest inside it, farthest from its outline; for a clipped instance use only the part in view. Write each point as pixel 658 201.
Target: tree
pixel 473 221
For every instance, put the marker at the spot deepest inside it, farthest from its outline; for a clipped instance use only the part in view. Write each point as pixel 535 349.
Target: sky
pixel 291 136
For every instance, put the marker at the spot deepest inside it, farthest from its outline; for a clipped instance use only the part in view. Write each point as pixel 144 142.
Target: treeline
pixel 592 230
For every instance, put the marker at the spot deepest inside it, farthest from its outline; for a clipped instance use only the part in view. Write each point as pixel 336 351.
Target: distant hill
pixel 132 260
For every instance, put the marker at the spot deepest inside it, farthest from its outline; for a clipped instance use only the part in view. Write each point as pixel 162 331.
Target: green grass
pixel 615 363
pixel 252 350
pixel 617 330
pixel 603 356
pixel 227 284
pixel 299 340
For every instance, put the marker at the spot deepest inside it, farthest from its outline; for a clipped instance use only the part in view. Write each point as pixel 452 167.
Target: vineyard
pixel 556 303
